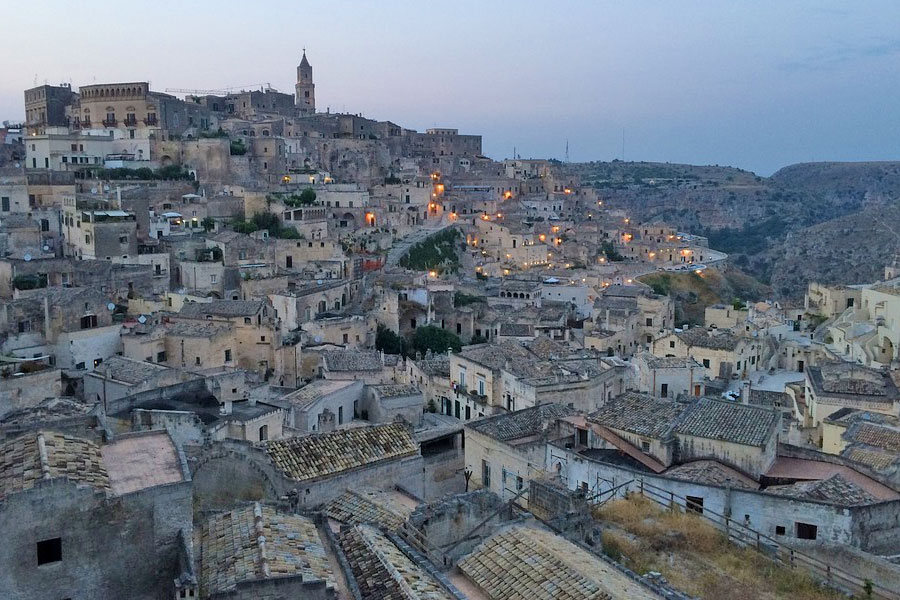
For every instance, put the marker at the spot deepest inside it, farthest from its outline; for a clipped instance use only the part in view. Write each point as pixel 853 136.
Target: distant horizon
pixel 753 85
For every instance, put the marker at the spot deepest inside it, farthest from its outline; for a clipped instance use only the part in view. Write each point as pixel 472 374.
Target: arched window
pixel 322 306
pixel 263 433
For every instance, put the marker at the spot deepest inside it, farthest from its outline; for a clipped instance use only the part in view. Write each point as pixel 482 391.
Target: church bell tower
pixel 305 88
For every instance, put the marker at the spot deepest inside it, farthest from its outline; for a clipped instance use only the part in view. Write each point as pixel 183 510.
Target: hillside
pixel 693 292
pixel 850 249
pixel 752 217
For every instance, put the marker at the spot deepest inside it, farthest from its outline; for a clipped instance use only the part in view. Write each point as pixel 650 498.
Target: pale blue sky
pixel 752 84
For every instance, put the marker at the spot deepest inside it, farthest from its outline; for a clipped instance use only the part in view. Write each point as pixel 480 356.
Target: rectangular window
pixel 805 531
pixel 340 415
pixel 161 356
pixel 672 344
pixel 228 355
pixel 520 483
pixel 49 551
pixel 649 321
pixel 645 446
pixel 664 390
pixel 694 504
pixel 780 530
pixel 4 204
pixel 485 474
pixel 213 278
pixel 706 363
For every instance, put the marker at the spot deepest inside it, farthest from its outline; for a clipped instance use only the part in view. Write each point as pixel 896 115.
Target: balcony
pixel 130 122
pixel 110 122
pixel 151 121
pixel 86 123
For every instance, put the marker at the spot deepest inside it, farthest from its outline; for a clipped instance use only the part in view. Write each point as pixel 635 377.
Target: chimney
pixel 745 392
pixel 251 400
pixel 226 407
pixel 607 320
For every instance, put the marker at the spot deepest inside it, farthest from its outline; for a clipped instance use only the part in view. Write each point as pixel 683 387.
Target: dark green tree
pixel 435 339
pixel 388 341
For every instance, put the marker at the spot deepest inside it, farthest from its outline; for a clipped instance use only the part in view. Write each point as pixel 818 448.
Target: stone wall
pixel 125 547
pixel 758 510
pixel 26 391
pixel 452 521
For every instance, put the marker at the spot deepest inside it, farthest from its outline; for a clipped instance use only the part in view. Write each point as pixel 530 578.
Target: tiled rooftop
pixel 314 390
pixel 128 370
pixel 728 421
pixel 669 362
pixel 222 308
pixel 875 459
pixel 355 360
pixel 878 436
pixel 713 473
pixel 522 562
pixel 382 571
pixel 396 390
pixel 521 423
pixel 257 542
pixel 367 506
pixel 309 457
pixel 26 459
pixel 834 489
pixel 720 340
pixel 639 413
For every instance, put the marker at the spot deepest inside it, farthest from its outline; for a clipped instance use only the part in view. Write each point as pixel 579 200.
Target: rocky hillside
pixel 693 292
pixel 824 209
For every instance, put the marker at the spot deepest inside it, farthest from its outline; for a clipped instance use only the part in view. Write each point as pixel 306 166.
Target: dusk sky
pixel 756 85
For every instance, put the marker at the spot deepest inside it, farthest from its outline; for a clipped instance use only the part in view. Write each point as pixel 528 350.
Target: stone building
pixel 305 89
pixel 257 552
pixel 721 352
pixel 311 470
pixel 102 521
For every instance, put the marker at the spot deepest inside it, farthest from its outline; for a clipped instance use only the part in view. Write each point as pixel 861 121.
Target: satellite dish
pixel 318 282
pixel 142 319
pixel 27 257
pixel 318 338
pixel 46 248
pixel 111 306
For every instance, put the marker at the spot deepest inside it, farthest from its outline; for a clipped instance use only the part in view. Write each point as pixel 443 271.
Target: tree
pixel 435 339
pixel 308 196
pixel 478 339
pixel 388 341
pixel 208 224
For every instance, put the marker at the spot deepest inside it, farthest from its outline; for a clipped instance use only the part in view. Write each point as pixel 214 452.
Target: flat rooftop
pixel 137 462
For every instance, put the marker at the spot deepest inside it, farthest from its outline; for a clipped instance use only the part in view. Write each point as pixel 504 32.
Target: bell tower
pixel 305 88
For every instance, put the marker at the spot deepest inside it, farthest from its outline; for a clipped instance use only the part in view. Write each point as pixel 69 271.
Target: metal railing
pixel 767 546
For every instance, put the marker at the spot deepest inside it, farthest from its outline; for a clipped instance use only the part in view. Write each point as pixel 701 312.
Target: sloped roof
pixel 309 457
pixel 353 360
pixel 367 506
pixel 714 473
pixel 231 549
pixel 834 489
pixel 27 459
pixel 878 436
pixel 222 308
pixel 314 390
pixel 721 340
pixel 728 421
pixel 383 571
pixel 528 562
pixel 639 413
pixel 128 370
pixel 521 423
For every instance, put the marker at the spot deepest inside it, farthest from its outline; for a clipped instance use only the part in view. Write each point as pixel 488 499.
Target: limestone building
pixel 305 88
